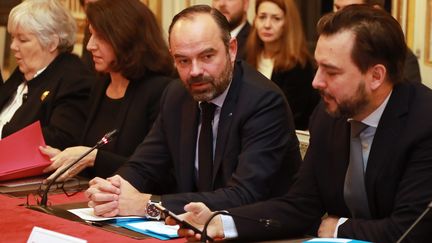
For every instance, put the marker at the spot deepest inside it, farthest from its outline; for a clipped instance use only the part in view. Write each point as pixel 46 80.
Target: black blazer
pixel 398 176
pixel 136 116
pixel 241 41
pixel 296 84
pixel 411 68
pixel 256 149
pixel 62 111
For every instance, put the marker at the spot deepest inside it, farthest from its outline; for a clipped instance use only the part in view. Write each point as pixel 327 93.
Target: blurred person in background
pixel 138 66
pixel 235 11
pixel 277 48
pixel 50 84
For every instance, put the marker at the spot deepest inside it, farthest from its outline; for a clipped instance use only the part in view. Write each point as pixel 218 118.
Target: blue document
pixel 156 229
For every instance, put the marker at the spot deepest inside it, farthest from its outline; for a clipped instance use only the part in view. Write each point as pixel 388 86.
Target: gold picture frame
pixel 398 13
pixel 404 13
pixel 428 33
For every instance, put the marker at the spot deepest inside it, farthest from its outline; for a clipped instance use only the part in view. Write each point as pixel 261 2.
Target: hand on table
pixel 62 159
pixel 197 215
pixel 328 227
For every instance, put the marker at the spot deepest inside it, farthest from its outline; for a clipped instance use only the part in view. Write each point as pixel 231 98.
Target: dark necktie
pixel 205 147
pixel 355 188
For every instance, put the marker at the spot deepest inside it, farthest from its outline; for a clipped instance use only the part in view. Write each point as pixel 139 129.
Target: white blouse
pixel 265 66
pixel 14 104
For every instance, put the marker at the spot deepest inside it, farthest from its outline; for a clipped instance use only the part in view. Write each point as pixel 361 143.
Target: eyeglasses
pixel 70 187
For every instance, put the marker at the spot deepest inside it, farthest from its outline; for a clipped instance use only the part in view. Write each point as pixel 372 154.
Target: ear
pixel 232 48
pixel 54 44
pixel 378 74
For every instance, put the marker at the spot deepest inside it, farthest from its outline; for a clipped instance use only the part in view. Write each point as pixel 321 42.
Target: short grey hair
pixel 45 19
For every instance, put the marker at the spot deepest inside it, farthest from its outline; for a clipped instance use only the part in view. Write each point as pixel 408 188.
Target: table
pixel 16 222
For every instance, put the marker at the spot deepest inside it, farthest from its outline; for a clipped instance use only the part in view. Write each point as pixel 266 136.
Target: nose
pixel 318 81
pixel 91 45
pixel 13 45
pixel 196 69
pixel 267 22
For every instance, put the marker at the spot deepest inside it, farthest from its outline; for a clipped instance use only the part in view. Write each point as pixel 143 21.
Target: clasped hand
pixel 115 196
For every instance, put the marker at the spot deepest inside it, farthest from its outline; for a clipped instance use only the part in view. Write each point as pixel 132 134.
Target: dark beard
pixel 235 22
pixel 354 106
pixel 219 85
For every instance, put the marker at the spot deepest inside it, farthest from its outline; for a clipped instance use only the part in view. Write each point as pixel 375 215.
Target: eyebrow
pixel 329 66
pixel 271 15
pixel 205 51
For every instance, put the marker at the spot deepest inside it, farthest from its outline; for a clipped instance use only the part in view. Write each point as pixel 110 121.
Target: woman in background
pixel 277 48
pixel 127 45
pixel 50 84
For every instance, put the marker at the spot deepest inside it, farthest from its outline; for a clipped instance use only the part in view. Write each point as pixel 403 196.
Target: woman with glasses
pixel 128 47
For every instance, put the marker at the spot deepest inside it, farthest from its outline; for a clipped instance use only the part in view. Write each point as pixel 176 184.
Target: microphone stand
pixel 415 223
pixel 267 223
pixel 43 207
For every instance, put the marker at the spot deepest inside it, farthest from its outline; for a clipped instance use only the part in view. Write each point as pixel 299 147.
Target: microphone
pixel 415 223
pixel 108 137
pixel 266 222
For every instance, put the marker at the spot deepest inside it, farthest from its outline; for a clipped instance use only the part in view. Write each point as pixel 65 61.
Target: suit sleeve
pixel 295 213
pixel 149 165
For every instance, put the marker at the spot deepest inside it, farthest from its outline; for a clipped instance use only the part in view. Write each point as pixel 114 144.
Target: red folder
pixel 19 153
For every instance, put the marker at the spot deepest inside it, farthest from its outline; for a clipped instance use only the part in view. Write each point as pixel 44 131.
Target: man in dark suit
pixel 359 78
pixel 236 13
pixel 411 69
pixel 254 144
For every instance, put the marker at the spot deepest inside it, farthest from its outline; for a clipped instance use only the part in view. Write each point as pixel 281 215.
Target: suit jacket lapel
pixel 387 131
pixel 188 138
pixel 339 139
pixel 226 117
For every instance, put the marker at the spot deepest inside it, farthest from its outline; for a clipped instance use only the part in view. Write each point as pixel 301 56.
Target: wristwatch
pixel 151 211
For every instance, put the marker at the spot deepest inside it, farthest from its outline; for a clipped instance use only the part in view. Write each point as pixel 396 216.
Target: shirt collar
pixel 237 30
pixel 39 72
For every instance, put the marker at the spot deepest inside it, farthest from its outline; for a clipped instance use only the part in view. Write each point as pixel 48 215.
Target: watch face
pixel 152 211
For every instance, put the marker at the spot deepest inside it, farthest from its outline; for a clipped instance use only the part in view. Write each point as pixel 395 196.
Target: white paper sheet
pixel 88 214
